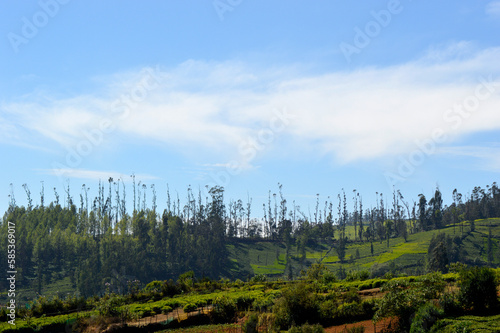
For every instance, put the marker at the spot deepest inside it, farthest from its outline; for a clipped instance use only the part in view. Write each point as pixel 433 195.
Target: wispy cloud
pixel 94 174
pixel 486 157
pixel 493 8
pixel 204 107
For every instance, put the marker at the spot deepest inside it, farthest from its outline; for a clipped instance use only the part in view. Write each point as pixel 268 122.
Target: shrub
pixel 190 307
pixel 306 328
pixel 224 310
pixel 108 307
pixel 369 307
pixel 478 290
pixel 403 299
pixel 350 311
pixel 251 324
pixel 425 317
pixel 377 283
pixel 297 305
pixel 450 305
pixel 244 302
pixel 329 277
pixel 258 278
pixel 365 286
pixel 153 286
pixel 328 311
pixel 166 309
pixel 351 296
pixel 262 304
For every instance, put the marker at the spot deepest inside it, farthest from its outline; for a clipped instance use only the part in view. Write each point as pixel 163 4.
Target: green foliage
pixel 351 296
pixel 190 307
pixel 450 304
pixel 425 317
pixel 478 289
pixel 356 329
pixel 166 309
pixel 297 305
pixel 251 324
pixel 468 324
pixel 404 298
pixel 306 328
pixel 350 311
pixel 108 306
pixel 244 302
pixel 153 286
pixel 258 278
pixel 224 310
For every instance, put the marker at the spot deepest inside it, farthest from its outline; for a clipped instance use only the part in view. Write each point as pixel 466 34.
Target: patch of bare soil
pixel 382 326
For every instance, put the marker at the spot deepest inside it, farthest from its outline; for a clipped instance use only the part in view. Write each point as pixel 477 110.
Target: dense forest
pixel 97 242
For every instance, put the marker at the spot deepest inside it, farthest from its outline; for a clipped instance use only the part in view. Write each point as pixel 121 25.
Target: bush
pixel 166 309
pixel 404 299
pixel 328 311
pixel 188 308
pixel 258 278
pixel 351 296
pixel 244 302
pixel 251 324
pixel 350 311
pixel 478 290
pixel 369 307
pixel 365 286
pixel 297 305
pixel 450 305
pixel 378 283
pixel 425 317
pixel 306 328
pixel 153 287
pixel 224 310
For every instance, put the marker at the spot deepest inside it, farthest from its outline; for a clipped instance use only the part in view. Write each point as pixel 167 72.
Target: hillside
pixel 249 258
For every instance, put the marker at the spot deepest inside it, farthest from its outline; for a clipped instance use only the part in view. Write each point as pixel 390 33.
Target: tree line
pixel 97 241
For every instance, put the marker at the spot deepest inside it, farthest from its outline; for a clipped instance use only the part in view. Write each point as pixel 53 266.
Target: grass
pixel 260 257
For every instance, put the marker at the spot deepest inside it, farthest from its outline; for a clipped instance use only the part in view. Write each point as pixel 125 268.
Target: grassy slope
pixel 269 258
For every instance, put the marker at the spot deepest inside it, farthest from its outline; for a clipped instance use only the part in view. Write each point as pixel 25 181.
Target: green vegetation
pixel 212 264
pixel 421 303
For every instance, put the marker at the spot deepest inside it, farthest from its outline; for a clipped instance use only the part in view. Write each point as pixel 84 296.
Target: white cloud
pixel 214 108
pixel 66 173
pixel 493 8
pixel 487 157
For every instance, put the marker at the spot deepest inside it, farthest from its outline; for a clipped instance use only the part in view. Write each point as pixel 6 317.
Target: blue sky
pixel 317 96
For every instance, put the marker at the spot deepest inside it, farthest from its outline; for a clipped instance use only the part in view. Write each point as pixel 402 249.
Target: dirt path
pixel 174 315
